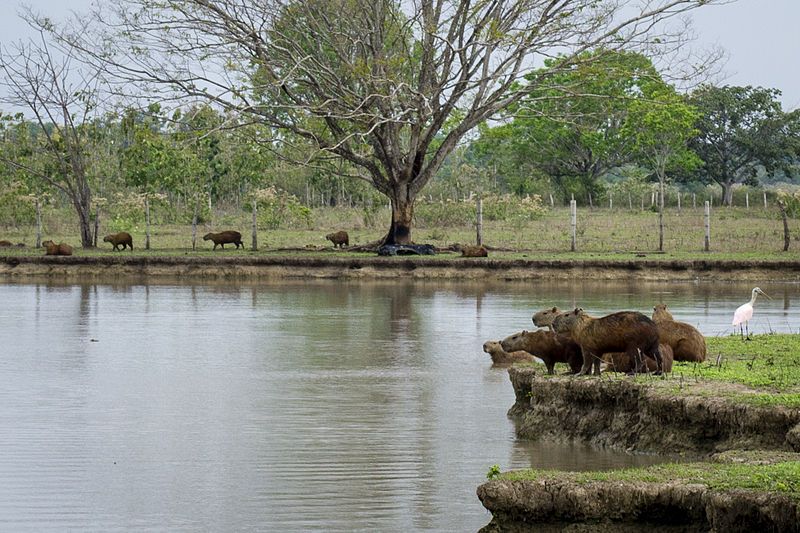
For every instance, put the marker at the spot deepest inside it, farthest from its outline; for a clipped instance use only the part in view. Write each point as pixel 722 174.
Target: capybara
pixel 5 243
pixel 687 343
pixel 545 317
pixel 474 251
pixel 502 357
pixel 627 331
pixel 547 346
pixel 339 238
pixel 225 237
pixel 122 238
pixel 52 248
pixel 620 362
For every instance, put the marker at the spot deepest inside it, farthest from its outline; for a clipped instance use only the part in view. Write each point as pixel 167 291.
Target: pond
pixel 285 406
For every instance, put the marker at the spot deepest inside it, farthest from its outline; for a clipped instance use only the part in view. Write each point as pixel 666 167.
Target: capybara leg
pixel 596 363
pixel 587 362
pixel 551 367
pixel 659 361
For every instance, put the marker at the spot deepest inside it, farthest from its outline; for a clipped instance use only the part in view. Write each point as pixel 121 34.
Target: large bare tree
pixel 60 96
pixel 389 86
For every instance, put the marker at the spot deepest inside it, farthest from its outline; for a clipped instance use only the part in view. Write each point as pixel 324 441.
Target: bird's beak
pixel 762 293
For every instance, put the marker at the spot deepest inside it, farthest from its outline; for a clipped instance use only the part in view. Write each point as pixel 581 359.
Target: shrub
pixel 278 208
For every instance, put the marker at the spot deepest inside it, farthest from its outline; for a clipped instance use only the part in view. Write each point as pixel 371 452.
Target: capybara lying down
pixel 626 331
pixel 122 238
pixel 339 239
pixel 474 251
pixel 620 362
pixel 687 343
pixel 502 357
pixel 545 317
pixel 225 237
pixel 5 243
pixel 547 346
pixel 52 248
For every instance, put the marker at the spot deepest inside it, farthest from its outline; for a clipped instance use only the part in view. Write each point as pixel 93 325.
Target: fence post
pixel 630 202
pixel 479 222
pixel 610 202
pixel 679 202
pixel 255 225
pixel 694 201
pixel 573 211
pixel 147 221
pixel 708 227
pixel 747 199
pixel 765 200
pixel 552 204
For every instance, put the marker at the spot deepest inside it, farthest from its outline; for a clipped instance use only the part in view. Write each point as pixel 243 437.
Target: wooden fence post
pixel 479 222
pixel 610 201
pixel 765 199
pixel 255 225
pixel 573 211
pixel 694 201
pixel 708 227
pixel 146 222
pixel 679 202
pixel 747 199
pixel 552 203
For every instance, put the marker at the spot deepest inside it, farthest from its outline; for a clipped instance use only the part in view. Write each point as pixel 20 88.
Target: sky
pixel 761 37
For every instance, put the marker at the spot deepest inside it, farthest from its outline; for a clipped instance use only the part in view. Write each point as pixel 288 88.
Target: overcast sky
pixel 762 38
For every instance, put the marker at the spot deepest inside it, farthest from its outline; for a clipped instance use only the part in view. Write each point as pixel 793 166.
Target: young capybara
pixel 225 237
pixel 5 243
pixel 687 343
pixel 620 362
pixel 339 239
pixel 627 331
pixel 52 248
pixel 547 346
pixel 501 357
pixel 122 238
pixel 545 317
pixel 474 251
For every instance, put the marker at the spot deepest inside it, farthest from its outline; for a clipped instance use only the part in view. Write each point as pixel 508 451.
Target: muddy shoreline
pixel 409 267
pixel 640 416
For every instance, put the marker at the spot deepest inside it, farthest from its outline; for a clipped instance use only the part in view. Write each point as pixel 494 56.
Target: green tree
pixel 389 86
pixel 660 129
pixel 740 130
pixel 576 139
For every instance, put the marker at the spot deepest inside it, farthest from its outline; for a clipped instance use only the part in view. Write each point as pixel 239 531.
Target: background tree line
pixel 370 103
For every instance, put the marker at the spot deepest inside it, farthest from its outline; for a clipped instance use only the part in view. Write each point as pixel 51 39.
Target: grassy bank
pixel 737 233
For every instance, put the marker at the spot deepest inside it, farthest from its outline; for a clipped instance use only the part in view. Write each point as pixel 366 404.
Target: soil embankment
pixel 371 267
pixel 647 415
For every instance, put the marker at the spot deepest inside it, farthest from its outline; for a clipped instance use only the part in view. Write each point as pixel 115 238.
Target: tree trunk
pixel 661 215
pixel 194 224
pixel 96 226
pixel 402 215
pixel 85 221
pixel 786 236
pixel 727 193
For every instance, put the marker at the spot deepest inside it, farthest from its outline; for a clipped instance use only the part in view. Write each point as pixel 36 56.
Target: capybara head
pixel 207 236
pixel 566 322
pixel 660 313
pixel 492 347
pixel 108 238
pixel 545 317
pixel 514 342
pixel 5 243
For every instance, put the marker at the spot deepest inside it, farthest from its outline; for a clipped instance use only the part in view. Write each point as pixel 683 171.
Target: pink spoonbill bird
pixel 745 312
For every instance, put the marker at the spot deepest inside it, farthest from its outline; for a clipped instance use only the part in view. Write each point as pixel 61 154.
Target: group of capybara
pixel 627 341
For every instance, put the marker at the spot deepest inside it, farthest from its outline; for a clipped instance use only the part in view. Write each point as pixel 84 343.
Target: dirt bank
pixel 631 506
pixel 372 267
pixel 646 415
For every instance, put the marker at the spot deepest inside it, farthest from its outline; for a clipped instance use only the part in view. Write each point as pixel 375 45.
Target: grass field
pixel 736 233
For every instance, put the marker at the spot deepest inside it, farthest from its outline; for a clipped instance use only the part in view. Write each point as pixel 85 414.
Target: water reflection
pixel 291 406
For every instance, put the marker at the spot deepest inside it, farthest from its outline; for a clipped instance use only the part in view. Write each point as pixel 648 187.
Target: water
pixel 287 406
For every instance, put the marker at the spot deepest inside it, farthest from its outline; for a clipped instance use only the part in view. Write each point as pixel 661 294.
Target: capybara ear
pixel 524 331
pixel 554 309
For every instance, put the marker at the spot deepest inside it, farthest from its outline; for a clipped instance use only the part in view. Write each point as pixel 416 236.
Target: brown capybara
pixel 502 357
pixel 52 248
pixel 620 362
pixel 547 346
pixel 339 238
pixel 225 237
pixel 474 251
pixel 545 317
pixel 5 243
pixel 687 343
pixel 122 238
pixel 627 331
